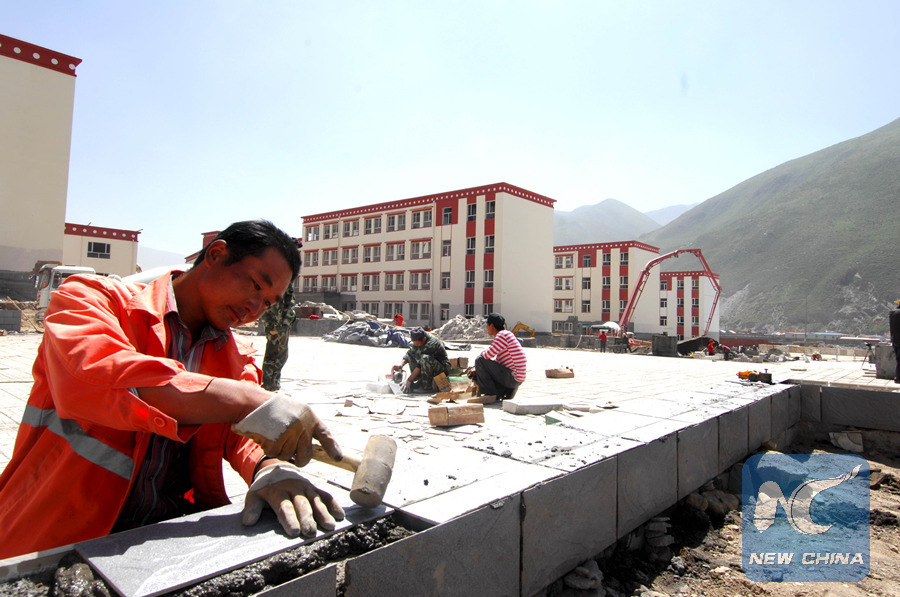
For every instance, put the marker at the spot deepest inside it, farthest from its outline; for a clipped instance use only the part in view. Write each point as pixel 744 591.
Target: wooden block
pixel 459 362
pixel 560 373
pixel 482 399
pixel 441 381
pixel 456 414
pixel 442 396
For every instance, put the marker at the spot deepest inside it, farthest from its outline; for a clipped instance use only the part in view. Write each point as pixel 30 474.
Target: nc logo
pixel 797 506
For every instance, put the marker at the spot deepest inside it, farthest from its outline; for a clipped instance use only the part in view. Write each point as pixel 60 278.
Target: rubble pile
pixel 462 328
pixel 369 333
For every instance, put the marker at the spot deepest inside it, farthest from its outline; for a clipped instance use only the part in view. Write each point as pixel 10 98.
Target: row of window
pixel 679 302
pixel 392 281
pixel 392 252
pixel 414 311
pixel 605 281
pixel 695 284
pixel 568 261
pixel 392 222
pixel 679 321
pixel 98 250
pixel 568 306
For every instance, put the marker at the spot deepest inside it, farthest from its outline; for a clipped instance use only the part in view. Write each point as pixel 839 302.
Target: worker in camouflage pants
pixel 277 321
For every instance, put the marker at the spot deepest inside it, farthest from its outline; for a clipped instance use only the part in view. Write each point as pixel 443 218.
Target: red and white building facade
pixel 466 252
pixel 686 304
pixel 107 250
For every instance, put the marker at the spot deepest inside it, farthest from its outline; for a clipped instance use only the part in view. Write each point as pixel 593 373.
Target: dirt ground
pixel 707 552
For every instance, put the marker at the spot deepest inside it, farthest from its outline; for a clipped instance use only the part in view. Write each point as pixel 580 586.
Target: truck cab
pixel 48 279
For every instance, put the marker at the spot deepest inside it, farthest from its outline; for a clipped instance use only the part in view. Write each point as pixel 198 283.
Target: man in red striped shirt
pixel 500 369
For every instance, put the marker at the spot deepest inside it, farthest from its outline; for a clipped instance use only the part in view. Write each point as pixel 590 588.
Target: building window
pixel 445 311
pixel 663 284
pixel 489 244
pixel 470 212
pixel 348 306
pixel 414 281
pixel 371 254
pixel 679 321
pixel 623 259
pixel 414 307
pixel 372 225
pixel 329 257
pixel 623 281
pixel 425 280
pixel 425 310
pixel 420 250
pixel 401 252
pixel 351 228
pixel 490 209
pixel 395 252
pixel 605 282
pixel 585 306
pixel 98 250
pixel 329 283
pixel 388 310
pixel 396 222
pixel 311 259
pixel 622 306
pixel 416 219
pixel 398 282
pixel 680 284
pixel 330 231
pixel 605 306
pixel 470 310
pixel 348 283
pixel 585 261
pixel 679 302
pixel 447 216
pixel 695 283
pixel 445 248
pixel 564 262
pixel 488 309
pixel 371 282
pixel 445 280
pixel 470 245
pixel 470 279
pixel 421 219
pixel 563 306
pixel 312 233
pixel 585 283
pixel 393 281
pixel 426 219
pixel 350 255
pixel 557 306
pixel 663 303
pixel 663 320
pixel 607 259
pixel 695 321
pixel 695 303
pixel 488 278
pixel 309 284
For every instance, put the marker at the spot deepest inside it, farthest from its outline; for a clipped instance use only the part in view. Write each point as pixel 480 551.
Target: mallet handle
pixel 349 462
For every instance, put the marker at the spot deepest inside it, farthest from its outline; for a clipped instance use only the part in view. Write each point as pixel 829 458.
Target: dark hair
pixel 496 320
pixel 251 238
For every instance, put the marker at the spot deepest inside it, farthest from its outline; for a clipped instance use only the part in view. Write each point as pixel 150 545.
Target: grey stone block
pixel 733 436
pixel 11 320
pixel 698 455
pixel 885 362
pixel 781 415
pixel 566 521
pixel 474 554
pixel 647 482
pixel 571 460
pixel 665 346
pixel 861 408
pixel 811 403
pixel 795 405
pixel 320 583
pixel 759 423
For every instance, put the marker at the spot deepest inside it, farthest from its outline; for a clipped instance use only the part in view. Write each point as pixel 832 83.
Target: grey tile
pixel 580 510
pixel 811 403
pixel 781 411
pixel 647 482
pixel 162 557
pixel 862 408
pixel 474 554
pixel 591 454
pixel 759 423
pixel 698 454
pixel 733 436
pixel 535 442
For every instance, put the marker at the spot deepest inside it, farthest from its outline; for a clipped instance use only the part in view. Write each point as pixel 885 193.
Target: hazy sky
pixel 190 115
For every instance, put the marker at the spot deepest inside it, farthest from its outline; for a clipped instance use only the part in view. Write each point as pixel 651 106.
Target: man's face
pixel 419 342
pixel 238 293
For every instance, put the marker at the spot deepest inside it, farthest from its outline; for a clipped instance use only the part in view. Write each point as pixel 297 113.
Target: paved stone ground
pixel 327 374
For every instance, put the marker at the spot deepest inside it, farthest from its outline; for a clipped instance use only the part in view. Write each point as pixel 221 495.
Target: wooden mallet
pixel 372 470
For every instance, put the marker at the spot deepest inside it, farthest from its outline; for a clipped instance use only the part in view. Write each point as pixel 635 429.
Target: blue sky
pixel 190 115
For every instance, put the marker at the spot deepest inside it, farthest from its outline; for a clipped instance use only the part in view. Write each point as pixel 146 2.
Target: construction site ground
pixel 338 381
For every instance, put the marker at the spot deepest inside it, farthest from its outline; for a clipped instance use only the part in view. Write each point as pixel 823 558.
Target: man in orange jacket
pixel 141 390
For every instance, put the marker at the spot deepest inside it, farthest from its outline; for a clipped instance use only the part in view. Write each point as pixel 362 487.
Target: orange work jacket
pixel 83 435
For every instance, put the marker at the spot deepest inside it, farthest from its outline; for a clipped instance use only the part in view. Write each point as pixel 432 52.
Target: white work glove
pixel 406 387
pixel 298 504
pixel 285 427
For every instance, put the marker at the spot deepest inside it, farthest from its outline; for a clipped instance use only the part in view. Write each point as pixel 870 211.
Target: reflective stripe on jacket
pixel 84 430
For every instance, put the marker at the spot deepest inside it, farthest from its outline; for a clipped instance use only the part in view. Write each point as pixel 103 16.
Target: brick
pixel 456 414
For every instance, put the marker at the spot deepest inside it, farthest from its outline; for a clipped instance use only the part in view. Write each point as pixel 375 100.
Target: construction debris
pixel 462 328
pixel 456 414
pixel 370 333
pixel 560 373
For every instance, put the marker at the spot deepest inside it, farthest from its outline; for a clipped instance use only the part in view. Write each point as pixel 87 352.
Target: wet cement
pixel 74 578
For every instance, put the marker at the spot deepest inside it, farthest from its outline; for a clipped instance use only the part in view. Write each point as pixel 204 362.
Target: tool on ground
pixel 372 469
pixel 755 376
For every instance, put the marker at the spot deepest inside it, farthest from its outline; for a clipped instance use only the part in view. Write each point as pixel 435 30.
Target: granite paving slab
pixel 162 557
pixel 534 443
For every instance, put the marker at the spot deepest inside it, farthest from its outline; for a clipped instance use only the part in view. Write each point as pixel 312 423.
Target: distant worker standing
pixel 398 320
pixel 603 339
pixel 895 338
pixel 277 321
pixel 711 347
pixel 427 358
pixel 500 369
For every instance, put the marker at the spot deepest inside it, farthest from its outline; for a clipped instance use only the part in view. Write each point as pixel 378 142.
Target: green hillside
pixel 814 240
pixel 607 221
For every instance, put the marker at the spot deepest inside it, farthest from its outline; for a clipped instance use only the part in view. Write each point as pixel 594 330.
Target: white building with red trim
pixel 466 252
pixel 36 108
pixel 107 250
pixel 688 304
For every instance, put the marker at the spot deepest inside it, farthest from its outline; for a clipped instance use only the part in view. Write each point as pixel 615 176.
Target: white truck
pixel 48 279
